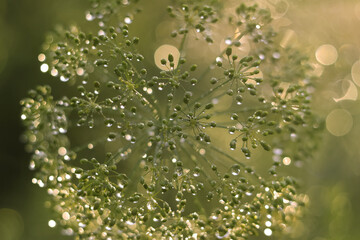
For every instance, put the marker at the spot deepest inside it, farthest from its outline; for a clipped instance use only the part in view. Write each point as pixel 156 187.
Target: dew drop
pixel 41 57
pixel 44 67
pixel 64 79
pixel 127 20
pixel 130 223
pixel 235 170
pixel 276 55
pixel 80 71
pixel 32 165
pixel 221 235
pixel 52 223
pixel 62 130
pixel 228 41
pixel 89 16
pixel 268 232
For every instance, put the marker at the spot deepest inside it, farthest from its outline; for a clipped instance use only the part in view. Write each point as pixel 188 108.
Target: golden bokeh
pixel 355 72
pixel 11 224
pixel 339 122
pixel 351 92
pixel 163 52
pixel 326 54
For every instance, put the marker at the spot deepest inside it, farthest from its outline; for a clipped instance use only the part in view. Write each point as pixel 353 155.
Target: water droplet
pixel 32 165
pixel 80 71
pixel 64 79
pixel 89 16
pixel 293 136
pixel 150 206
pixel 62 130
pixel 41 57
pixel 128 137
pixel 127 20
pixel 221 235
pixel 66 216
pixel 277 151
pixel 130 223
pixel 52 223
pixel 44 67
pixel 286 161
pixel 235 170
pixel 62 151
pixel 276 55
pixel 228 41
pixel 268 232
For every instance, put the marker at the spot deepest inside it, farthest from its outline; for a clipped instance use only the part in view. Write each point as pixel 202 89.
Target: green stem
pixel 211 91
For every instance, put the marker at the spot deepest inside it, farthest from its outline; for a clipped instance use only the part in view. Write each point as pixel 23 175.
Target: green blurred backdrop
pixel 328 30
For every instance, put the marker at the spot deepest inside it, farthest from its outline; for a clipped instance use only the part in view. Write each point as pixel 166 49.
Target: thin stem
pixel 211 91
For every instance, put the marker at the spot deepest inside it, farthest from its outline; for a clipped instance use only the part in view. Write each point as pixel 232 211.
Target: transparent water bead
pixel 127 20
pixel 221 234
pixel 235 170
pixel 89 16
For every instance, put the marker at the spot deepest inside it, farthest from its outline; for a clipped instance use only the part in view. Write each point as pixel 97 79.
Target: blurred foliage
pixel 331 180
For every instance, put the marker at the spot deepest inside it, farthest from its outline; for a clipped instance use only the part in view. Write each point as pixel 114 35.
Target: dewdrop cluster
pixel 133 152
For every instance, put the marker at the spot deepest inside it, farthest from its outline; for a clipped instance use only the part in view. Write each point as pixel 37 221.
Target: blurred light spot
pixel 66 216
pixel 326 54
pixel 80 71
pixel 54 72
pixel 44 67
pixel 286 161
pixel 162 53
pixel 62 151
pixel 11 224
pixel 90 146
pixel 128 137
pixel 41 57
pixel 288 37
pixel 268 223
pixel 228 41
pixel 64 79
pixel 67 232
pixel 89 16
pixel 40 183
pixel 268 232
pixel 351 93
pixel 339 122
pixel 52 223
pixel 101 33
pixel 127 20
pixel 355 72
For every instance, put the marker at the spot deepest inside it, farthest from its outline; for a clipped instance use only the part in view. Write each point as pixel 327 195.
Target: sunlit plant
pixel 195 150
